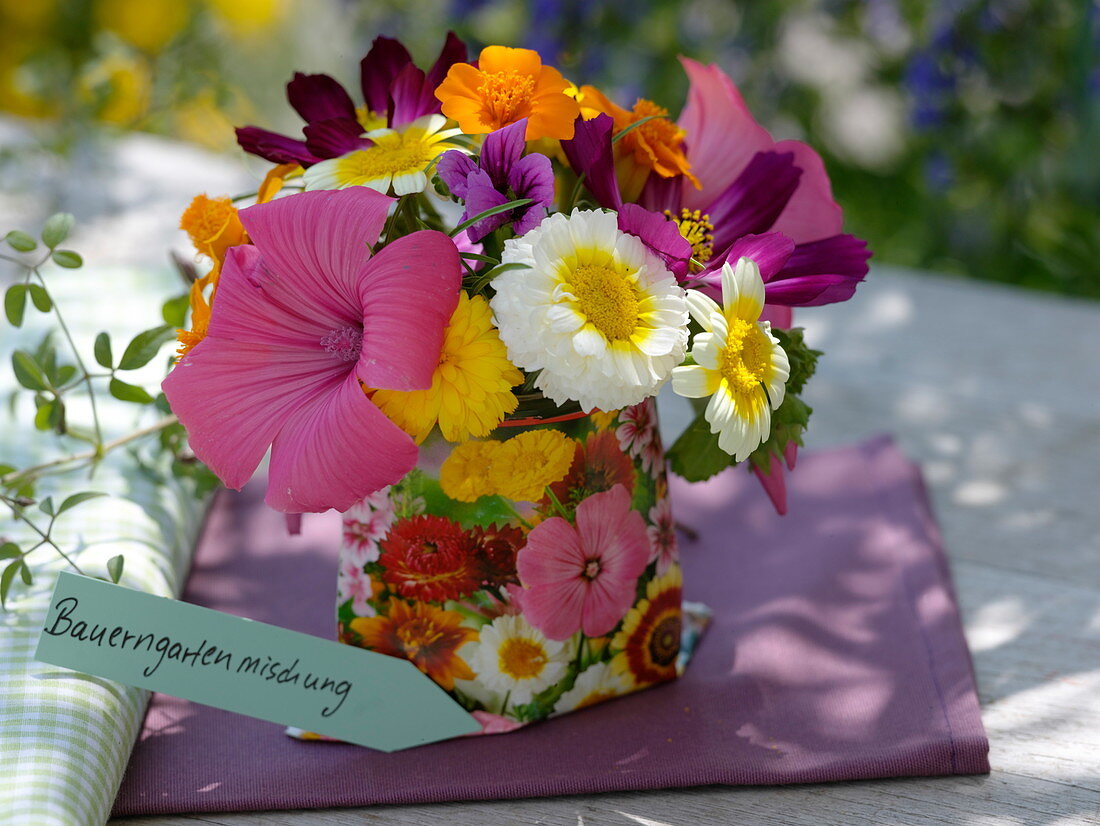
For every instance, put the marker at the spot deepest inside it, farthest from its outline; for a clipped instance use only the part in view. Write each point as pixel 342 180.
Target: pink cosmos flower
pixel 583 577
pixel 637 433
pixel 302 322
pixel 662 536
pixel 354 584
pixel 365 523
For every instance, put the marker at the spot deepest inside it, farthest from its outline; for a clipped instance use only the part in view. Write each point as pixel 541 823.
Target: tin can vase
pixel 529 573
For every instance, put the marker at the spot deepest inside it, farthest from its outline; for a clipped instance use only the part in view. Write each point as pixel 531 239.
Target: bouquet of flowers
pixel 447 315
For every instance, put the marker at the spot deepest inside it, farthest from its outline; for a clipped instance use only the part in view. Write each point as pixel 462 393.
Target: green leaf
pixel 102 350
pixel 77 499
pixel 129 392
pixel 46 506
pixel 6 580
pixel 57 229
pixel 145 345
pixel 802 358
pixel 789 422
pixel 40 297
pixel 473 256
pixel 65 374
pixel 9 550
pixel 20 241
pixel 67 258
pixel 25 572
pixel 634 126
pixel 15 304
pixel 695 456
pixel 161 402
pixel 114 568
pixel 522 202
pixel 174 311
pixel 27 371
pixel 481 281
pixel 43 416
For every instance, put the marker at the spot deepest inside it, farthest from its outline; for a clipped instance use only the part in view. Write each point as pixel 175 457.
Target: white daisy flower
pixel 400 158
pixel 738 362
pixel 514 658
pixel 594 685
pixel 596 312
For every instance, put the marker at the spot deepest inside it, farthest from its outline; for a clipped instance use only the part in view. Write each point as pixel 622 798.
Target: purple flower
pixel 502 174
pixel 737 222
pixel 392 86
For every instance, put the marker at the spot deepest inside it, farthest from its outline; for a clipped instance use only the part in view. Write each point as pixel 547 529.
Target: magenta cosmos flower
pixel 303 320
pixel 584 577
pixel 395 92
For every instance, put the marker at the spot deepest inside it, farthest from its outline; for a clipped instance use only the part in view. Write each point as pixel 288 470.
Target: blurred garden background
pixel 961 135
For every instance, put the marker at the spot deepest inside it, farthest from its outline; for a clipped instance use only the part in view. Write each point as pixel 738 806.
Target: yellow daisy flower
pixel 471 390
pixel 466 472
pixel 738 362
pixel 527 463
pixel 398 160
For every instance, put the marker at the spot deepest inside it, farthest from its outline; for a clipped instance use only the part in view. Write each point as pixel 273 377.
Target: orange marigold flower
pixel 655 146
pixel 508 85
pixel 427 636
pixel 213 225
pixel 200 312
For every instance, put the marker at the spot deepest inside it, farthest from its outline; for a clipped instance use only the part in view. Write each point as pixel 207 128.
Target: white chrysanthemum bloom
pixel 593 685
pixel 400 158
pixel 596 311
pixel 738 362
pixel 513 657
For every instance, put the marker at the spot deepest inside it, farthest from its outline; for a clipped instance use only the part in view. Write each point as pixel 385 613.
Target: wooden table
pixel 996 392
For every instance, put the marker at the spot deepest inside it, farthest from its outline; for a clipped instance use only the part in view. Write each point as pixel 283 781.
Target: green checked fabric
pixel 65 737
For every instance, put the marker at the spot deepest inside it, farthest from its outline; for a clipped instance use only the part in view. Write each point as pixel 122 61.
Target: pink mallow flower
pixel 303 321
pixel 584 577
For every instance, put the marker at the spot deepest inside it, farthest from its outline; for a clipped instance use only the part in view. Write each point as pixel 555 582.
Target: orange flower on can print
pixel 427 636
pixel 649 640
pixel 598 465
pixel 506 86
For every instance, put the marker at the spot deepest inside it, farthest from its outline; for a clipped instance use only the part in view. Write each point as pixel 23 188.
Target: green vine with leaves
pixel 55 375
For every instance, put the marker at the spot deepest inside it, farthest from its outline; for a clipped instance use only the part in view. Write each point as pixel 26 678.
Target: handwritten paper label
pixel 244 666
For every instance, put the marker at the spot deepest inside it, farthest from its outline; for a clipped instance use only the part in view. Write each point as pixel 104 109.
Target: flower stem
pixel 91 455
pixel 557 504
pixel 17 510
pixel 83 369
pixel 580 652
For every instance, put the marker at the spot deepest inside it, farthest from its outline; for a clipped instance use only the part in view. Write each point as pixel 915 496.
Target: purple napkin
pixel 835 653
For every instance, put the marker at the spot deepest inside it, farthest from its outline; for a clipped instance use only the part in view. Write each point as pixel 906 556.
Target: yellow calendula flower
pixel 527 463
pixel 213 226
pixel 471 390
pixel 466 472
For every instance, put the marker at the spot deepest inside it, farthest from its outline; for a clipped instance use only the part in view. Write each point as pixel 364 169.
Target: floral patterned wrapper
pixel 529 574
